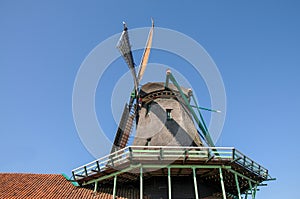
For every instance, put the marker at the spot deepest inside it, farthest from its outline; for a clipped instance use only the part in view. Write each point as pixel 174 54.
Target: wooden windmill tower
pixel 170 157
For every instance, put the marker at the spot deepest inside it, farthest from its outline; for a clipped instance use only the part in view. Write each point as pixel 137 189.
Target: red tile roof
pixel 25 186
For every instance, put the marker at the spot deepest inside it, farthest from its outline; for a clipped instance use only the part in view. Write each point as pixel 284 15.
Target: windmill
pixel 170 156
pixel 163 109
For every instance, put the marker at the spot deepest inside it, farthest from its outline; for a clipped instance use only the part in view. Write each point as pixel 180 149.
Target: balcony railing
pixel 168 153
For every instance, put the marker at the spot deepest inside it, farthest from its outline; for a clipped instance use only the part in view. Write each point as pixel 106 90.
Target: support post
pixel 237 186
pixel 112 161
pixel 98 166
pixel 130 153
pixel 85 171
pixel 161 154
pixel 246 195
pixel 222 183
pixel 73 173
pixel 115 187
pixel 96 187
pixel 169 183
pixel 233 154
pixel 195 183
pixel 255 190
pixel 251 189
pixel 141 182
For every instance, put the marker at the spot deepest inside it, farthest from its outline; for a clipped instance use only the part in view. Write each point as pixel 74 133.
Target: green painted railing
pixel 169 154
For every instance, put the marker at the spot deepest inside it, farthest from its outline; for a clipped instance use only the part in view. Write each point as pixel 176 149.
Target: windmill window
pixel 169 115
pixel 148 142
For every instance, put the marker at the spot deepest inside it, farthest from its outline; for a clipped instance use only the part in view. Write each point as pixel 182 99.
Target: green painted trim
pixel 67 178
pixel 237 186
pixel 222 183
pixel 195 183
pixel 199 112
pixel 141 182
pixel 206 109
pixel 115 187
pixel 188 166
pixel 111 175
pixel 169 183
pixel 157 166
pixel 241 175
pixel 255 190
pixel 168 153
pixel 201 126
pixel 96 187
pixel 251 189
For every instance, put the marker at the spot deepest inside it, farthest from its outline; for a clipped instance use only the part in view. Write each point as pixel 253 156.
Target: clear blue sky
pixel 255 45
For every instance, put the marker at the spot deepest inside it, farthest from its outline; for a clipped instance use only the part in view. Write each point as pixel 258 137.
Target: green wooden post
pixel 169 183
pixel 255 190
pixel 115 187
pixel 141 182
pixel 237 185
pixel 195 183
pixel 251 189
pixel 96 187
pixel 246 195
pixel 222 183
pixel 161 154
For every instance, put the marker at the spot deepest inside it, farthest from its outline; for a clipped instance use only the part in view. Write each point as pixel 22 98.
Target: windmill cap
pixel 151 87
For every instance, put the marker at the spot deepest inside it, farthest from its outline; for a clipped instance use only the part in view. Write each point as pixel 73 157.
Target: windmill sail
pixel 130 112
pixel 146 54
pixel 125 50
pixel 124 129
